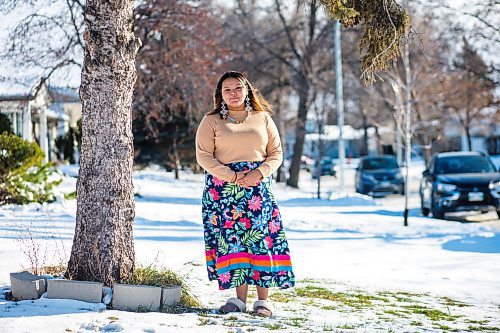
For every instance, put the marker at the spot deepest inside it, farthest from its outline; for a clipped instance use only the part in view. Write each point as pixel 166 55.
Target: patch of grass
pixel 432 314
pixel 451 302
pixel 54 270
pixel 165 277
pixel 483 328
pixel 273 326
pixel 347 327
pixel 232 317
pixel 356 300
pixel 446 328
pixel 70 196
pixel 113 318
pixel 328 307
pixel 204 321
pixel 296 321
pixel 327 328
pixel 416 323
pixel 396 313
pixel 281 297
pixel 480 322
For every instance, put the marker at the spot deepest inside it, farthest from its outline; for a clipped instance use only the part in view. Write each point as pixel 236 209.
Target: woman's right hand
pixel 239 176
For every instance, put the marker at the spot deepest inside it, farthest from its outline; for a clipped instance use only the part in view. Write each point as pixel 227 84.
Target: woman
pixel 238 145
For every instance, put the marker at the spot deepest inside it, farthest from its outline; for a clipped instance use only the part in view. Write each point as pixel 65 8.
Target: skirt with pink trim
pixel 244 238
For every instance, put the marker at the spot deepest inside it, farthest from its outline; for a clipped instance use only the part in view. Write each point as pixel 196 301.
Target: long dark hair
pixel 258 102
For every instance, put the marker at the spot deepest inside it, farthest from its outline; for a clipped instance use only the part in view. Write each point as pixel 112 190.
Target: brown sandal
pixel 233 305
pixel 263 308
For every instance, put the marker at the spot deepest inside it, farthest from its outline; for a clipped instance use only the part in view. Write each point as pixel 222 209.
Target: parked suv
pixel 378 175
pixel 459 181
pixel 326 167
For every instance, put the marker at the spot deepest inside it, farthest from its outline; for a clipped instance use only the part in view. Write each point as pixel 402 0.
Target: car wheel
pixel 437 211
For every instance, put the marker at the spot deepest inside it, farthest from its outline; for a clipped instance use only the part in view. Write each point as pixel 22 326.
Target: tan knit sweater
pixel 220 142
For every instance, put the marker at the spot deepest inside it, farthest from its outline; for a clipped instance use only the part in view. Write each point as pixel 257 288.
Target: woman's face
pixel 233 93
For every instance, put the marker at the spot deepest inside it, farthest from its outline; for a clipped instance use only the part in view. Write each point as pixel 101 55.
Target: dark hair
pixel 258 102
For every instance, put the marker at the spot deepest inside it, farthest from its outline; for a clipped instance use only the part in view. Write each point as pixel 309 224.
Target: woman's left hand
pixel 252 178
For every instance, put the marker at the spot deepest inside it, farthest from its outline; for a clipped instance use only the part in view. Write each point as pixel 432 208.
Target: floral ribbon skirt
pixel 244 238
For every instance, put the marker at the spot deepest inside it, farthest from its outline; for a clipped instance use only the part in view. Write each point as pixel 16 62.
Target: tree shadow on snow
pixel 413 212
pixel 168 199
pixel 45 307
pixel 474 244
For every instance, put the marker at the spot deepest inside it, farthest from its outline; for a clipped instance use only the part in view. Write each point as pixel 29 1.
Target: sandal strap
pixel 265 304
pixel 238 302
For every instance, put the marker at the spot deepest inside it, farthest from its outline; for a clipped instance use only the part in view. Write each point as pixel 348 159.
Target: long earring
pixel 248 107
pixel 223 111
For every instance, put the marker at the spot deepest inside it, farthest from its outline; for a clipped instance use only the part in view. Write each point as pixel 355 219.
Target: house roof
pixel 64 94
pixel 18 89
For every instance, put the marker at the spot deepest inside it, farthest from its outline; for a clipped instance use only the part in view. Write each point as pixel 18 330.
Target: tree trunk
pixel 378 145
pixel 177 160
pixel 469 139
pixel 364 150
pixel 103 248
pixel 280 124
pixel 300 132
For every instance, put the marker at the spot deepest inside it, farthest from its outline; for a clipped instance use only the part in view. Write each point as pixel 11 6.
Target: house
pixel 38 113
pixel 485 136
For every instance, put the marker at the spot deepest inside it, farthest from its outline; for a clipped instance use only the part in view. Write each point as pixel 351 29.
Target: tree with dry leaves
pixel 180 58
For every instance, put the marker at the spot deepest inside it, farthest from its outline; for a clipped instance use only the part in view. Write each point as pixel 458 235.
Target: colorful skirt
pixel 244 238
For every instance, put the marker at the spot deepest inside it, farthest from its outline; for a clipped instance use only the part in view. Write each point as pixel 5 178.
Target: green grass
pixel 432 314
pixel 483 329
pixel 70 196
pixel 328 307
pixel 446 328
pixel 396 313
pixel 357 301
pixel 273 326
pixel 163 277
pixel 327 328
pixel 296 321
pixel 480 322
pixel 451 302
pixel 282 297
pixel 347 327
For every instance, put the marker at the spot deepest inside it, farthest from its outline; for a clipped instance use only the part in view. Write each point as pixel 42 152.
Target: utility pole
pixel 406 63
pixel 340 103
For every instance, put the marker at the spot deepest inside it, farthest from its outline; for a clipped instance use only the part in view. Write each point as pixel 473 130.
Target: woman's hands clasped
pixel 248 179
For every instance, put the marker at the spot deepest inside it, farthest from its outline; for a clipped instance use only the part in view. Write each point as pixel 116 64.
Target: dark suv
pixel 377 175
pixel 460 181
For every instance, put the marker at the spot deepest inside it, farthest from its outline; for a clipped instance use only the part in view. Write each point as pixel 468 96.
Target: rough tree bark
pixel 103 247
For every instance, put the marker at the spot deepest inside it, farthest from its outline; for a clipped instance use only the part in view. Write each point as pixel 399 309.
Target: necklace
pixel 231 119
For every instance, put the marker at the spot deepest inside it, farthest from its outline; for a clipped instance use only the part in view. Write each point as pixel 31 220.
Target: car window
pixel 463 164
pixel 380 163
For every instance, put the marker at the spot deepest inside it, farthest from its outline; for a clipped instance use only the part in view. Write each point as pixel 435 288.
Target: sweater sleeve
pixel 205 146
pixel 273 149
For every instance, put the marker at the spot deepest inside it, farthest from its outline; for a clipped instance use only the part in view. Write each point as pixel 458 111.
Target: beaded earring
pixel 223 110
pixel 248 107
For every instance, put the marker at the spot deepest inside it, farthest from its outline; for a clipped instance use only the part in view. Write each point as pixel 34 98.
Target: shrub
pixel 5 124
pixel 24 177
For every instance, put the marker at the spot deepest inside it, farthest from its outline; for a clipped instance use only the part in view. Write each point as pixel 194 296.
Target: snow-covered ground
pixel 358 268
